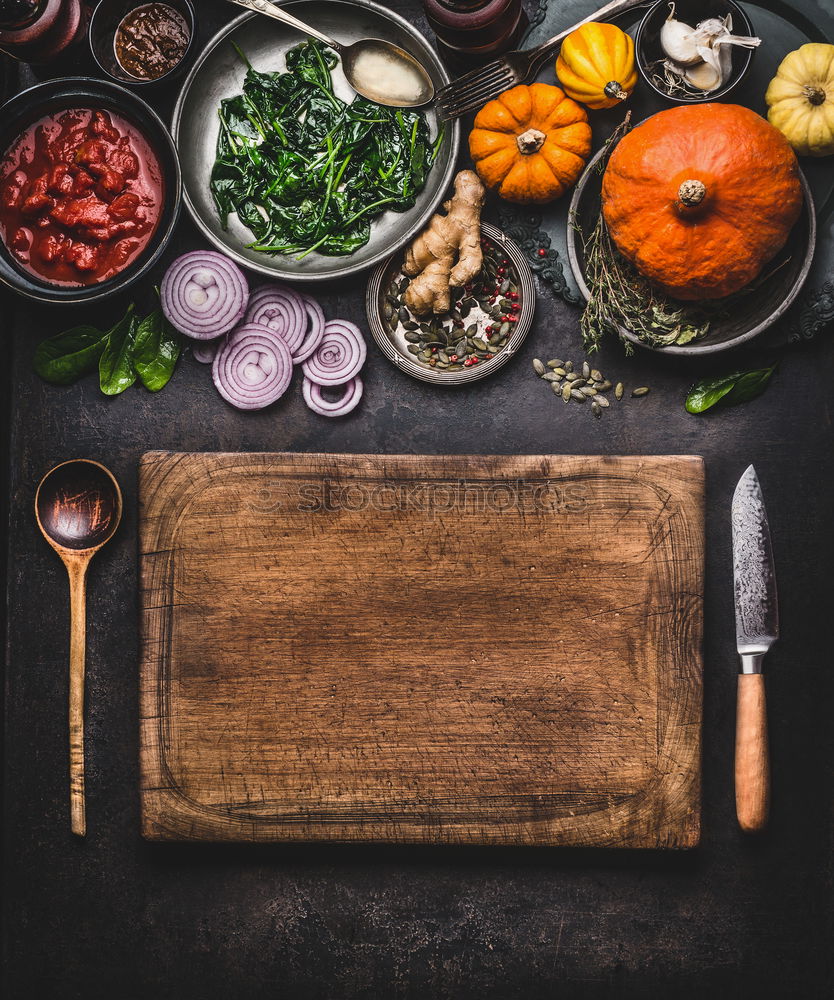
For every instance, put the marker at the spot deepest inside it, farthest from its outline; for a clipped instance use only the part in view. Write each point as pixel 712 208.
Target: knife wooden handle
pixel 752 755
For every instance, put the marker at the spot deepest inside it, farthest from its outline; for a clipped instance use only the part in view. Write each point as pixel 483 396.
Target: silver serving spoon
pixel 376 69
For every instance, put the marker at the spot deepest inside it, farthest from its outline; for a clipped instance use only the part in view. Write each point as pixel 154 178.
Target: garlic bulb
pixel 676 40
pixel 700 57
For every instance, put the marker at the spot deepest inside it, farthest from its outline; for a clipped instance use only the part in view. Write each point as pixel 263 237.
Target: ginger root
pixel 430 260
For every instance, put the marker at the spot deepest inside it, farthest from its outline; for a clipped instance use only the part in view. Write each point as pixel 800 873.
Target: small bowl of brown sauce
pixel 140 44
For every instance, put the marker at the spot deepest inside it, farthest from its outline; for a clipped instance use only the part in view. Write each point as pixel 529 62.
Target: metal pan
pixel 219 73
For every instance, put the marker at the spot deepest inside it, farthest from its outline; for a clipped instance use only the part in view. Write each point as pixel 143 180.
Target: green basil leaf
pixel 750 385
pixel 116 369
pixel 65 358
pixel 729 390
pixel 156 350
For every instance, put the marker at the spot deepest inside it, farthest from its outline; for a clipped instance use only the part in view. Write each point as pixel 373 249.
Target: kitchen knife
pixel 757 628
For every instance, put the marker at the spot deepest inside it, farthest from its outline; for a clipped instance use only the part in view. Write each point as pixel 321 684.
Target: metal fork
pixel 483 84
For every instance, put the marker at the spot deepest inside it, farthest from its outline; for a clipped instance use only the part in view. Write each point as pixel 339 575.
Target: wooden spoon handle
pixel 752 755
pixel 78 651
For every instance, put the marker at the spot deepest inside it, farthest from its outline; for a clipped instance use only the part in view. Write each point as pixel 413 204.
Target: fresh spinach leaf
pixel 156 349
pixel 728 390
pixel 65 358
pixel 117 371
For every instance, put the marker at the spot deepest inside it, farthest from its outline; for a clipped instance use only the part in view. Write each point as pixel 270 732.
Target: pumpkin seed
pixel 555 363
pixel 464 310
pixel 412 337
pixel 387 311
pixel 504 329
pixel 589 390
pixel 577 395
pixel 538 367
pixel 411 325
pixel 586 369
pixel 495 313
pixel 505 286
pixel 595 375
pixel 443 356
pixel 604 386
pixel 393 301
pixel 642 391
pixel 568 366
pixel 566 391
pixel 405 281
pixel 505 304
pixel 460 347
pixel 578 383
pixel 558 389
pixel 471 330
pixel 480 344
pixel 601 401
pixel 442 364
pixel 414 349
pixel 551 377
pixel 562 372
pixel 425 355
pixel 571 376
pixel 596 409
pixel 618 392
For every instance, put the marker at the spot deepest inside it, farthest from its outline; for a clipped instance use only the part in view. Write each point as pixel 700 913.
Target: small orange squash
pixel 699 198
pixel 530 143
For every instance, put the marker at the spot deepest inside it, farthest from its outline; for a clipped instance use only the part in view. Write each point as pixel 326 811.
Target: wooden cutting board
pixel 494 650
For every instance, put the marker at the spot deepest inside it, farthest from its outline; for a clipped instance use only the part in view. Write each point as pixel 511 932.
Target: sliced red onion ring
pixel 315 330
pixel 282 310
pixel 315 400
pixel 204 294
pixel 339 356
pixel 204 350
pixel 253 368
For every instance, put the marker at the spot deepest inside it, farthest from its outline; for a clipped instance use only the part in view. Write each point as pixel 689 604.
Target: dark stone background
pixel 115 917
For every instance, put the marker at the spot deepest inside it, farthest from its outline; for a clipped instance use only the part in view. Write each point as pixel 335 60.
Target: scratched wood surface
pixel 499 650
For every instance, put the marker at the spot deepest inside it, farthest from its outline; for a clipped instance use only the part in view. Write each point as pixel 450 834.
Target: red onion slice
pixel 339 356
pixel 315 330
pixel 204 294
pixel 327 408
pixel 282 310
pixel 253 368
pixel 204 350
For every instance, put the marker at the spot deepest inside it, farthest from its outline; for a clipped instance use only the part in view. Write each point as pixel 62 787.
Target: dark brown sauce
pixel 151 40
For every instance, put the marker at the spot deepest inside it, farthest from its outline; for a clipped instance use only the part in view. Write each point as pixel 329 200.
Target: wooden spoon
pixel 78 506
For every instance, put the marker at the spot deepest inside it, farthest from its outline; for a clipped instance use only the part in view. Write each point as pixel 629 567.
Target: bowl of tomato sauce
pixel 90 190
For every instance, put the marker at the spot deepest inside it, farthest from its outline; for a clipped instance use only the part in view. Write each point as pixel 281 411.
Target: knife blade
pixel 757 628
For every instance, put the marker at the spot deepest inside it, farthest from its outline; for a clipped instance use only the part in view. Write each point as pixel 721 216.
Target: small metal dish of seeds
pixel 486 325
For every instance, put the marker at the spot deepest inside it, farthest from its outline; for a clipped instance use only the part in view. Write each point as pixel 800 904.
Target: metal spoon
pixel 78 507
pixel 361 61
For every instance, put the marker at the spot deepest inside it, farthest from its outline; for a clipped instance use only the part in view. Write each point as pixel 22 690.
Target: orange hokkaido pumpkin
pixel 530 143
pixel 699 198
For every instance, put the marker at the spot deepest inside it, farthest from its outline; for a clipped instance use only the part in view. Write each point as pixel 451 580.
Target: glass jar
pixel 473 31
pixel 38 31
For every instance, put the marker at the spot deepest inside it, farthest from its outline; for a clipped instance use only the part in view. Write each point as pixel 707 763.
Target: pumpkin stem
pixel 815 95
pixel 691 193
pixel 613 89
pixel 530 141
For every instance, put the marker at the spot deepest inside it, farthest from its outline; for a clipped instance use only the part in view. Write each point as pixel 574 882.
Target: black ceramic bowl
pixel 648 51
pixel 742 317
pixel 80 92
pixel 107 17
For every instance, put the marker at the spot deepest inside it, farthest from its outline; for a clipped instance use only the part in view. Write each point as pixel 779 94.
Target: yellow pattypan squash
pixel 801 99
pixel 596 65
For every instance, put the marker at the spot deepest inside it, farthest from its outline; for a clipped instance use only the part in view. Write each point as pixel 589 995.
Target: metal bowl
pixel 219 73
pixel 394 346
pixel 105 20
pixel 80 92
pixel 745 316
pixel 648 50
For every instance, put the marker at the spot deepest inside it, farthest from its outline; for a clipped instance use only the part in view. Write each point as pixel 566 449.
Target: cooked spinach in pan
pixel 303 170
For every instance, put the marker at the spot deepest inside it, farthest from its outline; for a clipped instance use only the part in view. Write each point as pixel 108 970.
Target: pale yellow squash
pixel 800 99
